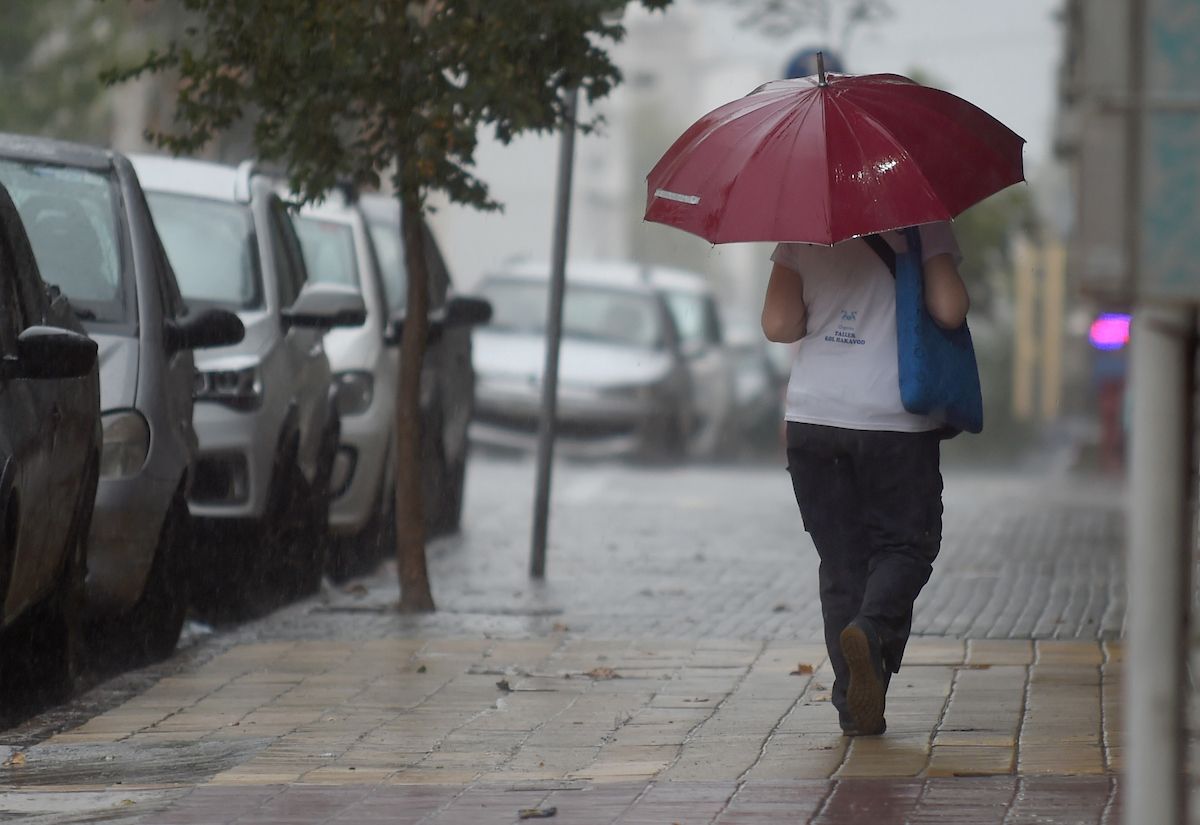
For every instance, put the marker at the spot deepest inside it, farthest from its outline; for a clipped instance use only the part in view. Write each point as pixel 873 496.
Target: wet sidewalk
pixel 472 731
pixel 673 676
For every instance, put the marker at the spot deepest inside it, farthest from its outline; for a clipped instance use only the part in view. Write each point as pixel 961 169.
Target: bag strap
pixel 884 250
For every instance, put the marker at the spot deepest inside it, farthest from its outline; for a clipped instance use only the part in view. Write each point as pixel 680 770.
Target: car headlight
pixel 355 391
pixel 241 389
pixel 126 444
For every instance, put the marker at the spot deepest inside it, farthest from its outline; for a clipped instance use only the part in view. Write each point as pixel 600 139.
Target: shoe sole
pixel 865 694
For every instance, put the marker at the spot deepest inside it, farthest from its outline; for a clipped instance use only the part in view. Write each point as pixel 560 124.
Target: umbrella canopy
pixel 824 158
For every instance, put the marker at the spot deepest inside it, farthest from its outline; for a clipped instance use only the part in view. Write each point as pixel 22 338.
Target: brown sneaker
pixel 866 694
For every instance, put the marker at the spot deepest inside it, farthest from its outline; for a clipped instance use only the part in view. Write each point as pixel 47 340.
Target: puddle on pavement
pixel 186 762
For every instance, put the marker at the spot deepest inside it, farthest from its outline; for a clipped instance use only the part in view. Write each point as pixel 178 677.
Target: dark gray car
pixel 49 455
pixel 94 238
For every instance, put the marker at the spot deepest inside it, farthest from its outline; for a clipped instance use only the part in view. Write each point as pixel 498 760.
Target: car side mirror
pixel 466 311
pixel 325 306
pixel 51 352
pixel 207 328
pixel 460 311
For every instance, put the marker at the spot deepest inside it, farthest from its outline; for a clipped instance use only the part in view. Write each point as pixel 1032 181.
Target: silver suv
pixel 93 237
pixel 265 409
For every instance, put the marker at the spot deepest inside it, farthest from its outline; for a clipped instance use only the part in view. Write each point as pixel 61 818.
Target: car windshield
pixel 212 248
pixel 328 251
pixel 593 313
pixel 390 252
pixel 72 218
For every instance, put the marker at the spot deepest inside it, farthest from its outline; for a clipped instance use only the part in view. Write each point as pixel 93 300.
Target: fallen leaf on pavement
pixel 559 627
pixel 15 761
pixel 603 673
pixel 802 670
pixel 536 813
pixel 422 669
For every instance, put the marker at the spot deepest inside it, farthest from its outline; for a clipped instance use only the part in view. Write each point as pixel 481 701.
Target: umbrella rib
pixel 803 116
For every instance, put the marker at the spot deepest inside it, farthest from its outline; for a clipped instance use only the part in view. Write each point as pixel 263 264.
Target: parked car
pixel 92 235
pixel 49 461
pixel 761 384
pixel 448 373
pixel 265 411
pixel 624 383
pixel 711 366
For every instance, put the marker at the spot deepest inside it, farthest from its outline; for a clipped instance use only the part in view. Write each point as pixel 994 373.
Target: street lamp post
pixel 547 425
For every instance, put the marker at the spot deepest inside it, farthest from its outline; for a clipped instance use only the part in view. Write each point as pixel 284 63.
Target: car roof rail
pixel 241 185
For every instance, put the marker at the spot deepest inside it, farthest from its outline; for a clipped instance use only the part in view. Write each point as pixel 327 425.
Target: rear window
pixel 212 248
pixel 72 217
pixel 328 251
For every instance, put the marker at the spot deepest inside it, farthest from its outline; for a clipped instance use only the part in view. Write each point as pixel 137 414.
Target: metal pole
pixel 1159 557
pixel 547 426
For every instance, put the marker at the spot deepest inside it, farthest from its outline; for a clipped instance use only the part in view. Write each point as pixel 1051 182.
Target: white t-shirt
pixel 845 372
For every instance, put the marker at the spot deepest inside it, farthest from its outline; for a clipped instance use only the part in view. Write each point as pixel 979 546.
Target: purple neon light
pixel 1110 331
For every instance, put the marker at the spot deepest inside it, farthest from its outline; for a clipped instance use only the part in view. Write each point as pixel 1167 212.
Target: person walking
pixel 865 471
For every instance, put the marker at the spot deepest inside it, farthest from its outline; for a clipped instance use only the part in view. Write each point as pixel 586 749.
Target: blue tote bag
pixel 939 376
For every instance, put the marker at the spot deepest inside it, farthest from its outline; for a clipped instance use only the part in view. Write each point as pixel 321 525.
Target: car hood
pixel 581 363
pixel 262 329
pixel 117 356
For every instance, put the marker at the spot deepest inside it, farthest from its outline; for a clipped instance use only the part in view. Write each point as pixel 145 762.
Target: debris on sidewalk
pixel 802 669
pixel 537 813
pixel 14 761
pixel 602 674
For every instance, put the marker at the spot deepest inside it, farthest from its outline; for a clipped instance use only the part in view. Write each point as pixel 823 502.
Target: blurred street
pixel 669 669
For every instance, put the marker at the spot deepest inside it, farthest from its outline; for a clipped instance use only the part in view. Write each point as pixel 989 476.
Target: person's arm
pixel 784 316
pixel 946 296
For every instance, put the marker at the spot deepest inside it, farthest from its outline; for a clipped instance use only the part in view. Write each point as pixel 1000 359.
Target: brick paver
pixel 669 670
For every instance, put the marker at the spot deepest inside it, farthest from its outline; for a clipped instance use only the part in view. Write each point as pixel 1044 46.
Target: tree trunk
pixel 415 593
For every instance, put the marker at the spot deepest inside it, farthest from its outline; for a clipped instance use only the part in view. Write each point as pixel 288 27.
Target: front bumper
pixel 360 466
pixel 590 425
pixel 123 539
pixel 232 475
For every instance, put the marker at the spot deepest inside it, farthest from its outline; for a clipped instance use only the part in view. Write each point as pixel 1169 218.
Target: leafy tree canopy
pixel 359 90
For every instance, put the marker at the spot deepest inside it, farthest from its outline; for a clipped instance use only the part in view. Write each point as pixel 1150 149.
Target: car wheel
pixel 359 553
pixel 150 630
pixel 311 503
pixel 443 485
pixel 447 514
pixel 668 440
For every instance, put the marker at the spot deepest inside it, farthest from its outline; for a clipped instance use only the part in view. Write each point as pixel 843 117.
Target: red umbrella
pixel 825 158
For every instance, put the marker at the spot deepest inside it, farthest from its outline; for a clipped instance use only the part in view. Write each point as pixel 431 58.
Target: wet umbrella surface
pixel 824 158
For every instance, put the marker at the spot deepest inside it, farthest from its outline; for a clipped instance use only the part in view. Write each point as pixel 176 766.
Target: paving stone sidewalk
pixel 669 670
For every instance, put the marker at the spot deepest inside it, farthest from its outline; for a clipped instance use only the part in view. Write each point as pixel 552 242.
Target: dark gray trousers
pixel 872 502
